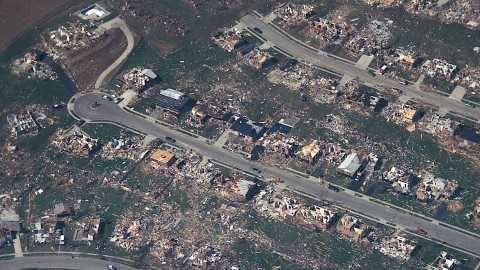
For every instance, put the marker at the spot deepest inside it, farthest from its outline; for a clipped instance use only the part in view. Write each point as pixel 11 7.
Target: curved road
pixel 116 23
pixel 92 108
pixel 305 53
pixel 59 262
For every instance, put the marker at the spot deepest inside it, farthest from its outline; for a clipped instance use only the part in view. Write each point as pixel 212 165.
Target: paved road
pixel 109 111
pixel 59 262
pixel 116 23
pixel 305 53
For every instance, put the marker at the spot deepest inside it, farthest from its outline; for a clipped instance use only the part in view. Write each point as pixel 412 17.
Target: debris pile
pixel 228 40
pixel 327 31
pixel 258 59
pixel 402 113
pixel 476 214
pixel 398 246
pixel 354 228
pixel 374 37
pixel 383 3
pixel 434 188
pixel 400 180
pixel 294 14
pixel 131 231
pixel 123 148
pixel 74 141
pixel 468 77
pixel 72 36
pixel 444 262
pixel 316 216
pixel 30 66
pixel 439 69
pixel 138 79
pixel 87 228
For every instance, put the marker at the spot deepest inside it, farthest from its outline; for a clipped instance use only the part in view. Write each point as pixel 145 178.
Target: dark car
pixel 170 139
pixel 258 30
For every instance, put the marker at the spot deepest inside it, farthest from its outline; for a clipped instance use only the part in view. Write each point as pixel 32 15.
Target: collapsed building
pixel 319 217
pixel 400 180
pixel 87 229
pixel 71 36
pixel 294 14
pixel 398 246
pixel 444 261
pixel 374 37
pixel 259 59
pixel 229 40
pixel 354 228
pixel 138 79
pixel 31 66
pixel 327 31
pixel 434 188
pixel 439 69
pixel 75 141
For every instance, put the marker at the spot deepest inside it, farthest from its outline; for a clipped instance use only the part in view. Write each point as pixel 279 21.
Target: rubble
pixel 74 141
pixel 258 59
pixel 468 77
pixel 138 79
pixel 87 228
pixel 294 14
pixel 383 3
pixel 354 228
pixel 31 66
pixel 434 188
pixel 400 180
pixel 71 37
pixel 374 37
pixel 131 231
pixel 444 261
pixel 476 214
pixel 228 40
pixel 439 69
pixel 398 246
pixel 319 217
pixel 464 12
pixel 327 31
pixel 123 148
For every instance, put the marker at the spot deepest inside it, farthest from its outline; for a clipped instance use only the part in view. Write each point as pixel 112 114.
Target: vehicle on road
pixel 111 267
pixel 333 188
pixel 258 30
pixel 404 82
pixel 257 170
pixel 170 139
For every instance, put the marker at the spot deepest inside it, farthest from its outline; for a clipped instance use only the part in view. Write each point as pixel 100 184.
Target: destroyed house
pixel 248 128
pixel 174 101
pixel 467 133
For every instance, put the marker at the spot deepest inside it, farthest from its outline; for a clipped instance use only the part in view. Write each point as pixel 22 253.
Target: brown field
pixel 16 16
pixel 86 65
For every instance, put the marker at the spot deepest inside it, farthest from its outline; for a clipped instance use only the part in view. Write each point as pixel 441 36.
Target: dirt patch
pixel 86 65
pixel 16 16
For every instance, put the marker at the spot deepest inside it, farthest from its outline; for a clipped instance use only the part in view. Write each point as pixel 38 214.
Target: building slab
pixel 364 61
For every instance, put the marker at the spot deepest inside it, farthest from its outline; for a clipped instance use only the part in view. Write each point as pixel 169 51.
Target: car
pixel 257 170
pixel 404 82
pixel 170 139
pixel 258 30
pixel 333 188
pixel 111 267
